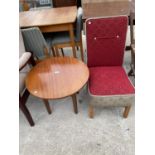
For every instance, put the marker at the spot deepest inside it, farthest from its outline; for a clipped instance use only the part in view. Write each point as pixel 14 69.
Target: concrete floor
pixel 65 133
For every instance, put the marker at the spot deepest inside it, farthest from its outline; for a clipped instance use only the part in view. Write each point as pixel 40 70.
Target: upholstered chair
pixel 108 83
pixel 26 61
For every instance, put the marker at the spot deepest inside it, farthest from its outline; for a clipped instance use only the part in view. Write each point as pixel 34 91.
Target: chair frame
pixel 91 111
pixel 23 98
pixel 126 108
pixel 78 44
pixel 69 44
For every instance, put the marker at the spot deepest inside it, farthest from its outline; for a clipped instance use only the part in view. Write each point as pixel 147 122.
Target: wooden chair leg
pixel 62 52
pixel 75 103
pixel 53 51
pixel 32 61
pixel 71 34
pixel 130 72
pixel 47 106
pixel 26 113
pixel 126 111
pixel 57 51
pixel 81 50
pixel 91 111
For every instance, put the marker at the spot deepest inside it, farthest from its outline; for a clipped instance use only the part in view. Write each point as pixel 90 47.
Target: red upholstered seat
pixel 109 81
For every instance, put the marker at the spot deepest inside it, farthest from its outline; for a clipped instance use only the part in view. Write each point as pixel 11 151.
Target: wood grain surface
pixel 57 77
pixel 47 17
pixel 101 9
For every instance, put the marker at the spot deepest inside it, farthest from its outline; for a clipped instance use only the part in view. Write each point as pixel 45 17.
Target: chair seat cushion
pixel 108 81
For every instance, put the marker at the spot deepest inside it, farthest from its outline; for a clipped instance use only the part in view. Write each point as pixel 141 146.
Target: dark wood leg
pixel 32 61
pixel 126 111
pixel 62 52
pixel 75 103
pixel 26 113
pixel 57 51
pixel 91 111
pixel 127 48
pixel 131 73
pixel 71 33
pixel 47 106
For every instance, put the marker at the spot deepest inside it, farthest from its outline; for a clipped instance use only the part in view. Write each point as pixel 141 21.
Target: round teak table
pixel 57 77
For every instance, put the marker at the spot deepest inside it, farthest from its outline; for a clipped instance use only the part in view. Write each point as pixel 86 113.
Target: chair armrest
pixel 23 60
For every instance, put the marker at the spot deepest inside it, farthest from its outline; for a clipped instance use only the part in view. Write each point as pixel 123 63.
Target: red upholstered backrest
pixel 106 39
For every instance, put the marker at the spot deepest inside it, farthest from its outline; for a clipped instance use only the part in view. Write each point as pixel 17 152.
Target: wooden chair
pixel 35 42
pixel 108 83
pixel 62 39
pixel 23 93
pixel 24 59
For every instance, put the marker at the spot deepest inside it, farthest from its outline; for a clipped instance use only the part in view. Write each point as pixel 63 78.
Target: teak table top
pixel 101 9
pixel 47 17
pixel 57 77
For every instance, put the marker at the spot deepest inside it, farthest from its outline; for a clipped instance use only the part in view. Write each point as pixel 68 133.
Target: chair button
pixel 117 36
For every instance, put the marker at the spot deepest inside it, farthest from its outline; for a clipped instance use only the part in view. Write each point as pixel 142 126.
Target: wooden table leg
pixel 53 51
pixel 71 33
pixel 57 51
pixel 75 103
pixel 47 106
pixel 26 113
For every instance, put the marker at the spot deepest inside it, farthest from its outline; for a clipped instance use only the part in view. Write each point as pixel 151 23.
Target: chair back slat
pixel 105 39
pixel 34 41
